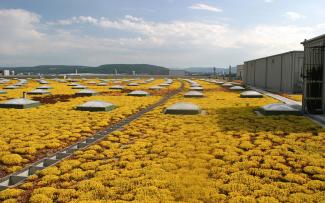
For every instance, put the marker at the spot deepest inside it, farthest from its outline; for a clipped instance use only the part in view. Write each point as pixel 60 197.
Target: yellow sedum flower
pixel 226 154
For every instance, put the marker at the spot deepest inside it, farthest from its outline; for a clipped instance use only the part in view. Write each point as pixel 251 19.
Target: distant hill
pixel 209 70
pixel 103 69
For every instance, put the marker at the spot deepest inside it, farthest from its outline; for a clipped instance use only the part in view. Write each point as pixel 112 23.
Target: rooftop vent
pixel 138 93
pixel 20 103
pixel 86 92
pixel 117 87
pixel 182 108
pixel 44 87
pixel 155 88
pixel 38 92
pixel 96 106
pixel 226 85
pixel 164 84
pixel 251 94
pixel 193 94
pixel 73 84
pixel 102 84
pixel 79 87
pixel 43 82
pixel 239 88
pixel 281 109
pixel 196 88
pixel 11 87
pixel 133 84
pixel 195 85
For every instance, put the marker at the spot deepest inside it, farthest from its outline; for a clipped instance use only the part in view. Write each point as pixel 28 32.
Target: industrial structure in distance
pixel 291 72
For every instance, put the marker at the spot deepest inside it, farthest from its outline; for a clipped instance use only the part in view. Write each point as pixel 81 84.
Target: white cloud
pixel 269 1
pixel 264 40
pixel 164 33
pixel 76 20
pixel 205 7
pixel 209 34
pixel 294 15
pixel 24 40
pixel 18 28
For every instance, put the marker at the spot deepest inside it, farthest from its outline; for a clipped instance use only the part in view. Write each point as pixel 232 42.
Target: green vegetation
pixel 103 69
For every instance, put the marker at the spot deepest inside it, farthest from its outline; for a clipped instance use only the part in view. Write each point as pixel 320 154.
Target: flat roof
pixel 289 52
pixel 313 39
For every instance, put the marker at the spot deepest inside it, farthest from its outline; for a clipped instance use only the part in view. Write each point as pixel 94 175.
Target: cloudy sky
pixel 172 33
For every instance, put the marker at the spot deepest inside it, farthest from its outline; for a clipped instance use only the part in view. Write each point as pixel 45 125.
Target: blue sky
pixel 172 33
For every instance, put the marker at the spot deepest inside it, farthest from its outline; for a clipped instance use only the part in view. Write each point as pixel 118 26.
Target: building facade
pixel 240 72
pixel 5 72
pixel 313 74
pixel 277 73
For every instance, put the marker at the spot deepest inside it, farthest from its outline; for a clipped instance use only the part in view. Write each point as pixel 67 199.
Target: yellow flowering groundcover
pixel 227 154
pixel 30 134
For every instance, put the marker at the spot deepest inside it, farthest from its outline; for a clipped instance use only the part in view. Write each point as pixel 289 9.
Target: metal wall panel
pixel 250 73
pixel 273 80
pixel 260 73
pixel 278 73
pixel 245 73
pixel 287 73
pixel 297 80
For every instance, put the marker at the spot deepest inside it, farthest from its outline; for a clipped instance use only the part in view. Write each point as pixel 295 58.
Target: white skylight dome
pixel 193 94
pixel 96 106
pixel 20 103
pixel 183 108
pixel 251 94
pixel 138 93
